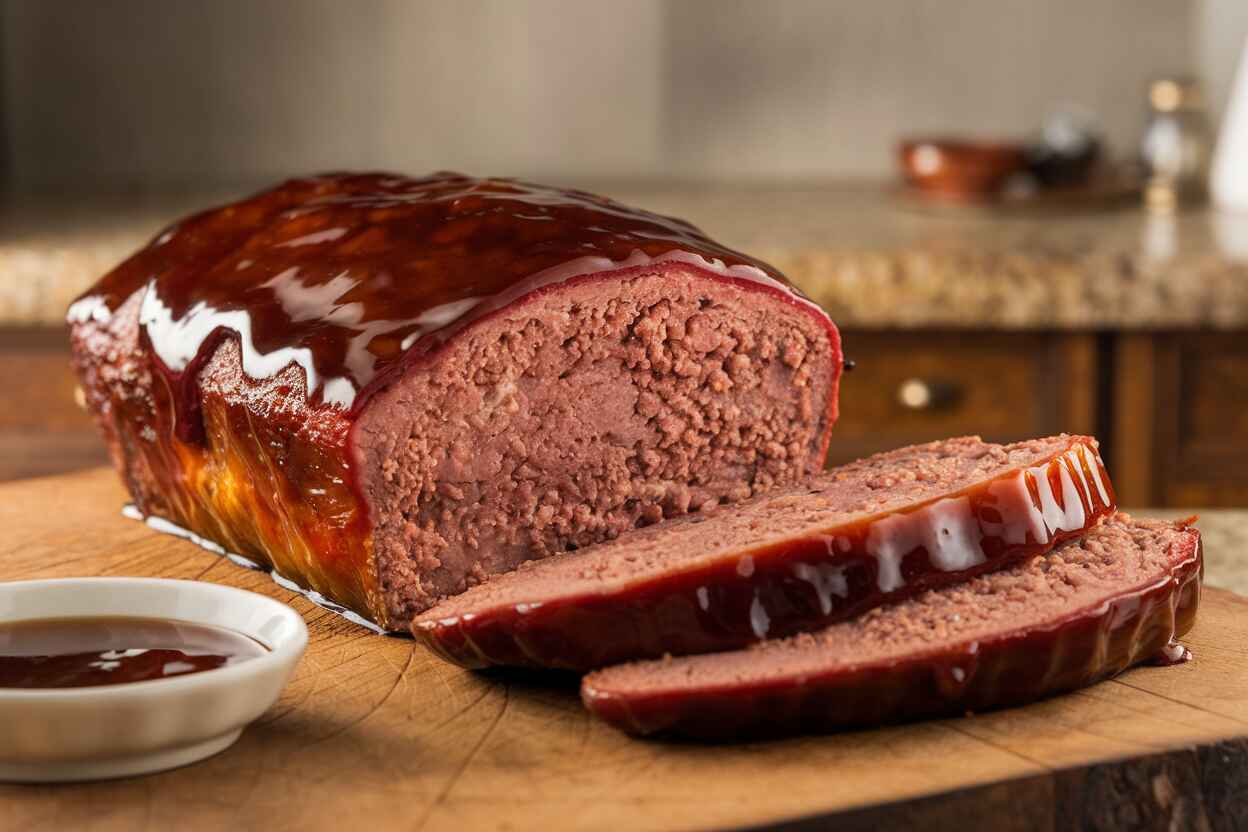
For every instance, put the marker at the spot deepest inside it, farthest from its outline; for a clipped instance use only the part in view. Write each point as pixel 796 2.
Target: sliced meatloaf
pixel 1085 611
pixel 796 559
pixel 390 388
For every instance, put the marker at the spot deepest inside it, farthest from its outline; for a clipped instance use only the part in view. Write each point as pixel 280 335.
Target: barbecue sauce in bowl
pixel 93 651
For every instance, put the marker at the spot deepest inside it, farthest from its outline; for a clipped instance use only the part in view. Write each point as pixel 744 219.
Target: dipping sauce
pixel 92 651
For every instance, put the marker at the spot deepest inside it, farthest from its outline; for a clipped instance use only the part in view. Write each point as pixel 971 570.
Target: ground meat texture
pixel 388 388
pixel 581 417
pixel 1087 610
pixel 794 559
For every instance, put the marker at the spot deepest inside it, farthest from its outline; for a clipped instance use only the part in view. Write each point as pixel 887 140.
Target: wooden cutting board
pixel 374 733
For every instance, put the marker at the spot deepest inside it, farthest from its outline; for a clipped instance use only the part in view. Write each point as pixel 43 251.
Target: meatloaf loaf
pixel 389 388
pixel 796 559
pixel 1085 611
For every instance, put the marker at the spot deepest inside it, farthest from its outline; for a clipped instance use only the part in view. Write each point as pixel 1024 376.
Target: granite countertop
pixel 871 257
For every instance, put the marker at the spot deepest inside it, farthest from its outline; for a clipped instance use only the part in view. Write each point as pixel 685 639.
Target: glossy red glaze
pixel 351 279
pixel 348 275
pixel 1013 668
pixel 801 584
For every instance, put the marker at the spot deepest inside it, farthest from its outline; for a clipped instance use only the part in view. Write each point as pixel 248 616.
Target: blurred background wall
pixel 1106 305
pixel 174 93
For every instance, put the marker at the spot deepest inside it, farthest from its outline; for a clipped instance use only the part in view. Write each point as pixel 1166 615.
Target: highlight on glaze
pixel 801 584
pixel 329 288
pixel 1018 664
pixel 320 272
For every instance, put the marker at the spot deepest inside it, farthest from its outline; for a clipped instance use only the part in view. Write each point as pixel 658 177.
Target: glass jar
pixel 1175 147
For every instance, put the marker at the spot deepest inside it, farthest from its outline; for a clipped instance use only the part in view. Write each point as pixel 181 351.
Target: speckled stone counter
pixel 872 258
pixel 876 260
pixel 54 246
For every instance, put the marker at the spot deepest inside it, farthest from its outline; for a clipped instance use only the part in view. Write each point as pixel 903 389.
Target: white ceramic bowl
pixel 93 733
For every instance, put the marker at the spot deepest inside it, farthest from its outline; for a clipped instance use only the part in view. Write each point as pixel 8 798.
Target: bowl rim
pixel 277 656
pixel 964 146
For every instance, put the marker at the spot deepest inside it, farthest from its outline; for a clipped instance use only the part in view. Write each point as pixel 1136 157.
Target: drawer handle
pixel 924 394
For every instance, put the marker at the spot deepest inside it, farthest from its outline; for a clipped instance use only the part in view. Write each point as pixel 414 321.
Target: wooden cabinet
pixel 1180 419
pixel 1171 409
pixel 909 387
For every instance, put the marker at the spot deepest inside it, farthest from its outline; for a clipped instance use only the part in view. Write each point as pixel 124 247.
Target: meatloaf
pixel 797 559
pixel 1085 611
pixel 389 388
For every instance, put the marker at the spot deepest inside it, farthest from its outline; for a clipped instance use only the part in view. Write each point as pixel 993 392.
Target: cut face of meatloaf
pixel 792 560
pixel 390 388
pixel 1085 611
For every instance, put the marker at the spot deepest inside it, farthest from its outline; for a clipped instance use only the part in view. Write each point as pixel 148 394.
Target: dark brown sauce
pixel 93 651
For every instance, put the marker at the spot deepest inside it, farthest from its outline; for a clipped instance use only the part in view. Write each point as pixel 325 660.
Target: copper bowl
pixel 958 168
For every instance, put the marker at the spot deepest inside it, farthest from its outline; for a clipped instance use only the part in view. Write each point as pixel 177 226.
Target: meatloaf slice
pixel 794 560
pixel 390 388
pixel 1085 611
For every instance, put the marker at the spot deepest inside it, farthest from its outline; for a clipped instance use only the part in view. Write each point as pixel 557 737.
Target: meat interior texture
pixel 387 387
pixel 1088 609
pixel 584 414
pixel 881 484
pixel 794 559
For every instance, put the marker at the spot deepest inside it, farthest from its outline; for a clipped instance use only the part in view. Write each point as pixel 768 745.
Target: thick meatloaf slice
pixel 1085 611
pixel 391 388
pixel 798 559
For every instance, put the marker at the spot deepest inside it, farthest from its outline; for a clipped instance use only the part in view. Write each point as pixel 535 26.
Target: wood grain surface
pixel 374 733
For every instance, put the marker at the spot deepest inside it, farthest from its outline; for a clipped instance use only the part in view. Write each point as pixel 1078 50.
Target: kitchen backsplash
pixel 169 93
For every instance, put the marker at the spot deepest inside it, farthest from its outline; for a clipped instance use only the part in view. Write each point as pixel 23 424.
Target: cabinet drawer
pixel 1200 401
pixel 910 387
